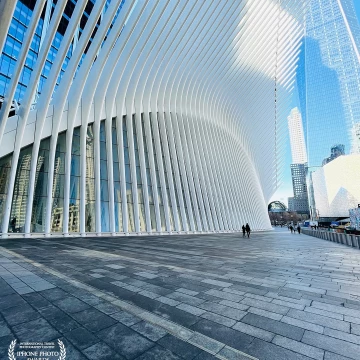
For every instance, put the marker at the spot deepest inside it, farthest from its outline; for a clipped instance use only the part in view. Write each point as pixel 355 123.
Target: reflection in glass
pixel 157 158
pixel 5 166
pixel 171 175
pixel 90 181
pixel 40 190
pixel 142 218
pixel 148 177
pixel 116 175
pixel 57 209
pixel 104 190
pixel 74 201
pixel 18 206
pixel 129 198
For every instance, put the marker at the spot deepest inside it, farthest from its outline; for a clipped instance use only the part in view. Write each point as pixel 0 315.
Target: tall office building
pixel 299 202
pixel 329 78
pixel 125 116
pixel 335 151
pixel 297 139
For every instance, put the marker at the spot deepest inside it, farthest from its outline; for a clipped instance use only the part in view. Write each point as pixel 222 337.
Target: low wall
pixel 340 238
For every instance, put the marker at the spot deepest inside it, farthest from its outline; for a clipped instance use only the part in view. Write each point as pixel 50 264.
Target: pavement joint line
pixel 183 333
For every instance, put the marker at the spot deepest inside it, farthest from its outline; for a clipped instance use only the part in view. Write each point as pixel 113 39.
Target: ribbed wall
pixel 172 121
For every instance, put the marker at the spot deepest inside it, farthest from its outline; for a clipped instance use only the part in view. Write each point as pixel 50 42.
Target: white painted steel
pixel 203 85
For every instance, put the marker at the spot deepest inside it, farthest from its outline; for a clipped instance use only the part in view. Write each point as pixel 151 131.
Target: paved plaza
pixel 275 296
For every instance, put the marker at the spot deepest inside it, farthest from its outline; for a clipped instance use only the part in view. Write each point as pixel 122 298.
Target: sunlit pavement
pixel 274 296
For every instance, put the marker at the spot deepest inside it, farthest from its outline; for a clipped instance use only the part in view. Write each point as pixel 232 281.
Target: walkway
pixel 275 296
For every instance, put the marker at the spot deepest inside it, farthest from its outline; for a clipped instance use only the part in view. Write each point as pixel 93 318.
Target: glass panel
pixel 90 181
pixel 118 217
pixel 104 190
pixel 74 187
pixel 57 215
pixel 74 202
pixel 102 150
pixel 18 207
pixel 162 217
pixel 103 169
pixel 5 167
pixel 74 215
pixel 129 198
pixel 115 151
pixel 117 191
pixel 142 217
pixel 116 172
pixel 90 189
pixel 90 216
pixel 152 217
pixel 40 190
pixel 131 224
pixel 105 223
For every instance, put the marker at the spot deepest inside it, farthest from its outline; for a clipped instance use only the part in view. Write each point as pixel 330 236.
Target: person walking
pixel 247 228
pixel 298 228
pixel 243 230
pixel 291 228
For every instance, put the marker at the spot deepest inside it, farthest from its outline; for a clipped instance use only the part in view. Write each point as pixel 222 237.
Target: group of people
pixel 246 229
pixel 293 229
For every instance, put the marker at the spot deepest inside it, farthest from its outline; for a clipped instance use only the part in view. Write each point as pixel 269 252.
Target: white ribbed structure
pixel 202 85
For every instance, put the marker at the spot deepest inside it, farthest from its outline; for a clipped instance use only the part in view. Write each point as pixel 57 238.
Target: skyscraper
pixel 299 202
pixel 329 87
pixel 297 139
pixel 329 70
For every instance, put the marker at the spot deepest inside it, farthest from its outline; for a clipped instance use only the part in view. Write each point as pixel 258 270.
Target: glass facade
pixel 117 181
pixel 148 177
pixel 90 181
pixel 128 180
pixel 104 186
pixel 157 158
pixel 140 194
pixel 57 210
pixel 41 188
pixel 5 167
pixel 329 79
pixel 20 195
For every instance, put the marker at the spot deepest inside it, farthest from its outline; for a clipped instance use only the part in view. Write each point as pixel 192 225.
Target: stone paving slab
pixel 274 296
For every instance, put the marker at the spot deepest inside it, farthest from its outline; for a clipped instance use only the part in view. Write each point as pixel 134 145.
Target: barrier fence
pixel 340 238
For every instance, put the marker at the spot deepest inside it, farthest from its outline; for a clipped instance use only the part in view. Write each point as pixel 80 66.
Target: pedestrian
pixel 291 228
pixel 247 228
pixel 298 228
pixel 243 230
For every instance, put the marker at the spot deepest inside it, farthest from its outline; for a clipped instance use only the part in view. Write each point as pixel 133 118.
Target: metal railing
pixel 340 238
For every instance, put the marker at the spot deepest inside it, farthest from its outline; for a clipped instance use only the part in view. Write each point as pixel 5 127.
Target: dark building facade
pixel 300 201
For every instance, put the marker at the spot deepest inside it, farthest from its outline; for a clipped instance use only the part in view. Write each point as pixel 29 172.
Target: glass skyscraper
pixel 329 92
pixel 329 78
